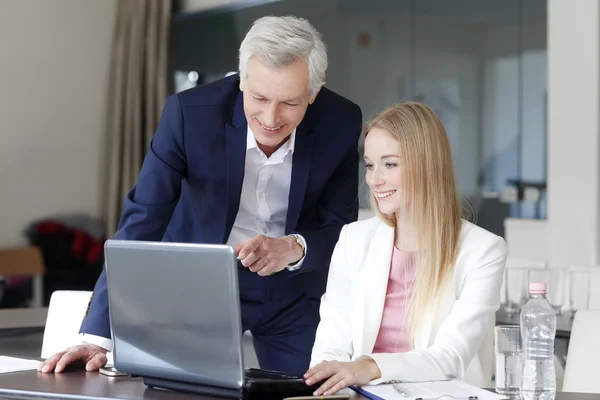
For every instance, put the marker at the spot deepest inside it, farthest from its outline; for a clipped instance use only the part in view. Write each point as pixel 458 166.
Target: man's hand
pixel 341 375
pixel 93 356
pixel 266 256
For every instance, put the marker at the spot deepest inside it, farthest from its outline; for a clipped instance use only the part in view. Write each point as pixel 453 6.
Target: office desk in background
pixel 30 319
pixel 564 322
pixel 92 385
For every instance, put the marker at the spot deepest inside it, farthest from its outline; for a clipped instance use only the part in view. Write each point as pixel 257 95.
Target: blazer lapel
pixel 375 275
pixel 300 170
pixel 235 142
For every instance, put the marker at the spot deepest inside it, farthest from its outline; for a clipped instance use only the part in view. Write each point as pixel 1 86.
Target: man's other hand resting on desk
pixel 94 358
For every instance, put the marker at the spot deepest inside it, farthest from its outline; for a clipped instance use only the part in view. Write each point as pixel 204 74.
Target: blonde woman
pixel 412 292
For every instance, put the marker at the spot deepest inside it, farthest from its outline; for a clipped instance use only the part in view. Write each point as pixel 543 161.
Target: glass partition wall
pixel 481 65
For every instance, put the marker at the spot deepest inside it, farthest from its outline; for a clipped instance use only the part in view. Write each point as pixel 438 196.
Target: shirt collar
pixel 287 147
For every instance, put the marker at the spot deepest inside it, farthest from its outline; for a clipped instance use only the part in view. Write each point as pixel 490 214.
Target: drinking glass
pixel 509 358
pixel 515 285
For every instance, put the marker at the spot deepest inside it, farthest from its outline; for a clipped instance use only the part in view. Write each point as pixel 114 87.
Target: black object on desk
pixel 259 384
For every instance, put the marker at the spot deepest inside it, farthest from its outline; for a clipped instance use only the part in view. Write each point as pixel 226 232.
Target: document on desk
pixel 12 364
pixel 442 390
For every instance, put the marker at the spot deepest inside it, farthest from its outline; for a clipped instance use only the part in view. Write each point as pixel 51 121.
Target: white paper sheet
pixel 430 390
pixel 12 364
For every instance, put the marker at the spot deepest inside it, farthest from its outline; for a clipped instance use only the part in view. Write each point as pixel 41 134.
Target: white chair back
pixel 520 262
pixel 65 313
pixel 581 372
pixel 593 287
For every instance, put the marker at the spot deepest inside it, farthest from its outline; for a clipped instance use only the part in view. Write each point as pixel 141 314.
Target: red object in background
pixel 364 39
pixel 83 246
pixel 16 281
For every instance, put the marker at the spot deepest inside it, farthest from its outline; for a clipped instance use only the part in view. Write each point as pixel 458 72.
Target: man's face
pixel 275 101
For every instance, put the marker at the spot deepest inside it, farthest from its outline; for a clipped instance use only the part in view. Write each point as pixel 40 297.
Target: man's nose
pixel 270 116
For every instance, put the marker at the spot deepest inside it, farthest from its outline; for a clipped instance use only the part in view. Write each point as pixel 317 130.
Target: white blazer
pixel 447 338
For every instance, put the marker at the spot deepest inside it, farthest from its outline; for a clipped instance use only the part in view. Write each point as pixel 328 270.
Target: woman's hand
pixel 341 375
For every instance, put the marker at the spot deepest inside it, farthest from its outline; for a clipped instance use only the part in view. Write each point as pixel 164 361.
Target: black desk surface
pixel 86 385
pixel 92 385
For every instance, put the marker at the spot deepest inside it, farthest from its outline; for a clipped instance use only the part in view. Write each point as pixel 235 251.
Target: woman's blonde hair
pixel 430 202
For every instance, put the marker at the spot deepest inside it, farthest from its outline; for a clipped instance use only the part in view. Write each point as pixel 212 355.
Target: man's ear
pixel 241 85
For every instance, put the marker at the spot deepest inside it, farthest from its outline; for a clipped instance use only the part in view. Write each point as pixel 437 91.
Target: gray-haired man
pixel 265 161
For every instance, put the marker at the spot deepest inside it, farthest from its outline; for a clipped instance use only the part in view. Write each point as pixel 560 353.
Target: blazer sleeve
pixel 461 334
pixel 333 340
pixel 149 205
pixel 338 204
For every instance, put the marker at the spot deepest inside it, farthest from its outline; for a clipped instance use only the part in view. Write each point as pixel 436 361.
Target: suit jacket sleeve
pixel 333 340
pixel 462 332
pixel 149 205
pixel 338 205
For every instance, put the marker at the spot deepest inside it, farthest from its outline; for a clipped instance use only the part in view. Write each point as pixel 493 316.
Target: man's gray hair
pixel 280 41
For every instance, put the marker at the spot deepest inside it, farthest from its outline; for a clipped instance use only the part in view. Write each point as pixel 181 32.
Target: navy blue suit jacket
pixel 190 183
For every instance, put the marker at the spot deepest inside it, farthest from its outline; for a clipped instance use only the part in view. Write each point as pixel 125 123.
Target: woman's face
pixel 383 170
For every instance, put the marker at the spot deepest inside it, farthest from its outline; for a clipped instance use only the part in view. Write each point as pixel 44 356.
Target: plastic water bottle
pixel 538 328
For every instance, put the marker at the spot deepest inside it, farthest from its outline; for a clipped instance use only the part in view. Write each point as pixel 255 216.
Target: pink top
pixel 392 333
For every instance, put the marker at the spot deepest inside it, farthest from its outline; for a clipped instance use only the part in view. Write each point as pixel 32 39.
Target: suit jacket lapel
pixel 300 169
pixel 375 274
pixel 235 142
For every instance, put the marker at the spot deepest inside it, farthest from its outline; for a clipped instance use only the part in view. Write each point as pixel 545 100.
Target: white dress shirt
pixel 265 191
pixel 263 203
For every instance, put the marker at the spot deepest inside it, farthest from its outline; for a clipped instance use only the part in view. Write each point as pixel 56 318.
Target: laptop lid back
pixel 175 311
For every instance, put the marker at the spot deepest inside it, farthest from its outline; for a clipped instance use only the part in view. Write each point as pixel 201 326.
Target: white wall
pixel 572 228
pixel 573 132
pixel 53 77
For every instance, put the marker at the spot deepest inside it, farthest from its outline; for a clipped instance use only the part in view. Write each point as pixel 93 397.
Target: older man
pixel 265 161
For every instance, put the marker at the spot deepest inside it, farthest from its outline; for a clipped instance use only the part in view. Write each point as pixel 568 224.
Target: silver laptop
pixel 175 313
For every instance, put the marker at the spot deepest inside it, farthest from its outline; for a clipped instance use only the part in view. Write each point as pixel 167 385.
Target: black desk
pixel 92 385
pixel 85 384
pixel 88 385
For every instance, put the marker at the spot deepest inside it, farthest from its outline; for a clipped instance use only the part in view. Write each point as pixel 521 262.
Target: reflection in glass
pixel 480 65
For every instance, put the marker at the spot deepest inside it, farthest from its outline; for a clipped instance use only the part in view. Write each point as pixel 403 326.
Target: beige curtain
pixel 136 94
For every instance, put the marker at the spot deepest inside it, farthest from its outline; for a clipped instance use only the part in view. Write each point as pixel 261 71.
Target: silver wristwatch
pixel 300 241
